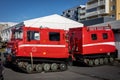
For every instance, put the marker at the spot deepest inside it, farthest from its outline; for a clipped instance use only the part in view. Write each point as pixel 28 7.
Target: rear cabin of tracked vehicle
pixel 92 45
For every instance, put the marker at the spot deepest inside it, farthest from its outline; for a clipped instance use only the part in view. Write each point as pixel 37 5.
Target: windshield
pixel 18 34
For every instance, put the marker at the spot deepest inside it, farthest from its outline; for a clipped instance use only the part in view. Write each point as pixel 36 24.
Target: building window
pixel 91 10
pixel 54 36
pixel 94 36
pixel 113 7
pixel 112 16
pixel 69 11
pixel 67 15
pixel 63 12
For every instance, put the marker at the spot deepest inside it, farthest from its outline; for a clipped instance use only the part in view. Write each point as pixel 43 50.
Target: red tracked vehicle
pixel 92 45
pixel 38 49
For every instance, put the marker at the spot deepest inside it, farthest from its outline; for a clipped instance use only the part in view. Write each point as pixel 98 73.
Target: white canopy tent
pixel 53 21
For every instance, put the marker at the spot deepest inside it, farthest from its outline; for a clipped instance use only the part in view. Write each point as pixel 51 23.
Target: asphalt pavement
pixel 106 72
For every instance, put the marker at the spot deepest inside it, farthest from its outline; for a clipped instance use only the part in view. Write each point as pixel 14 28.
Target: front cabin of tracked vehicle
pixel 38 49
pixel 92 45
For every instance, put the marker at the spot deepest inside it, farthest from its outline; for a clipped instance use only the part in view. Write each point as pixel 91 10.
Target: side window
pixel 36 36
pixel 33 35
pixel 105 36
pixel 94 36
pixel 54 36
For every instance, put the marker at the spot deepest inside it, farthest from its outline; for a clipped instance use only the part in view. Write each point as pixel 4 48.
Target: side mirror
pixel 28 35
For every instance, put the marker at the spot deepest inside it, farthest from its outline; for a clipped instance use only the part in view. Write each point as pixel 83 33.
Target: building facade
pixel 117 9
pixel 76 13
pixel 100 11
pixel 82 14
pixel 101 8
pixel 97 8
pixel 96 11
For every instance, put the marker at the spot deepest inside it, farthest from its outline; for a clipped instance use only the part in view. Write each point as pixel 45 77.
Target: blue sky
pixel 20 10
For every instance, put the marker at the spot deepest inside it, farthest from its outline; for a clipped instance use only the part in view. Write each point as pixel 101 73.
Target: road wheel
pixel 38 68
pixel 63 66
pixel 101 61
pixel 111 59
pixel 86 61
pixel 20 64
pixel 91 63
pixel 54 67
pixel 106 60
pixel 96 62
pixel 46 67
pixel 29 68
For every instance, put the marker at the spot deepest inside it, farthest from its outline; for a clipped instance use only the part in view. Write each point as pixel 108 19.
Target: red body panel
pixel 43 48
pixel 91 41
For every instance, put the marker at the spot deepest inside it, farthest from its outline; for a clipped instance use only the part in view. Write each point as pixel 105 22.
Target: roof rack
pixel 99 28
